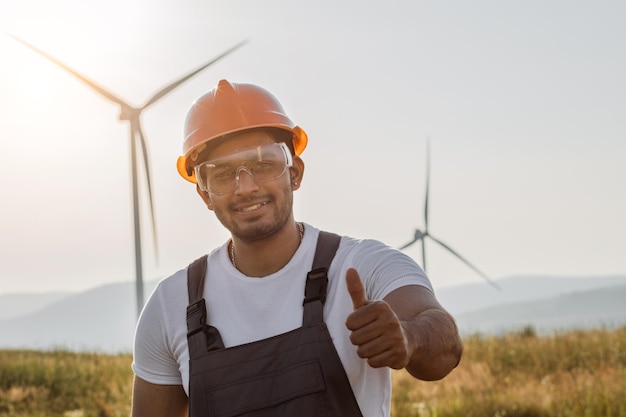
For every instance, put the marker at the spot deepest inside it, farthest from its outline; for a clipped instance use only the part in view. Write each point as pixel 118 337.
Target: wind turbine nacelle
pixel 129 113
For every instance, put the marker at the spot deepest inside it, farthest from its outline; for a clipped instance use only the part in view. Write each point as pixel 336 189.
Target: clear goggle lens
pixel 264 163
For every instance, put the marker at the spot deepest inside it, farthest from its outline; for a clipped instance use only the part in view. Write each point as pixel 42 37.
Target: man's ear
pixel 205 197
pixel 297 172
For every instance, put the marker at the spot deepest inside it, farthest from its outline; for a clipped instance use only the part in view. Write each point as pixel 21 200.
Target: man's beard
pixel 255 231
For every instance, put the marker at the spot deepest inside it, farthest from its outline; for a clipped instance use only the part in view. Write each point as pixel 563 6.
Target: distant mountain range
pixel 472 297
pixel 103 319
pixel 604 307
pixel 19 304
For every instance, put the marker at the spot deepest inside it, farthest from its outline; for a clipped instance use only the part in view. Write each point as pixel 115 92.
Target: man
pixel 253 332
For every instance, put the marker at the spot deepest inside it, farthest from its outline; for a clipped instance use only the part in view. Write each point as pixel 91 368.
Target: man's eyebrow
pixel 220 164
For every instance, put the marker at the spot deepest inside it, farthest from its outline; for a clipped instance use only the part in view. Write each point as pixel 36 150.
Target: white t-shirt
pixel 246 309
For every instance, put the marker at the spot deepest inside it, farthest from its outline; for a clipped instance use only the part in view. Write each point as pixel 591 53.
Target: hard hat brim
pixel 300 140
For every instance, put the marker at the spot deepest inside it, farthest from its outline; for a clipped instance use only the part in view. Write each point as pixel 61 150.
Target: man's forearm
pixel 435 344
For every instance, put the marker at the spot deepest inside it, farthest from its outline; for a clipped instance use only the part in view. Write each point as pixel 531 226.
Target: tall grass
pixel 580 373
pixel 63 384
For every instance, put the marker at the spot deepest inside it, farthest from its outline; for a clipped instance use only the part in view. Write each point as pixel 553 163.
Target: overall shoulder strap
pixel 317 278
pixel 200 336
pixel 196 272
pixel 327 245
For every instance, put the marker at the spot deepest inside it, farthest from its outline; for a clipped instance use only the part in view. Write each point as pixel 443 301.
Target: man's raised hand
pixel 375 329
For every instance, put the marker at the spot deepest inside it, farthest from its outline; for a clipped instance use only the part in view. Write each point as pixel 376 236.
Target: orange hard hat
pixel 230 108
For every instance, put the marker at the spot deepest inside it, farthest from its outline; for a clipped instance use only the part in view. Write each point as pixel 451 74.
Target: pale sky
pixel 524 104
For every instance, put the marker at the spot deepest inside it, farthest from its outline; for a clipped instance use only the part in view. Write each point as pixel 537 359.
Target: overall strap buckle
pixel 316 285
pixel 317 278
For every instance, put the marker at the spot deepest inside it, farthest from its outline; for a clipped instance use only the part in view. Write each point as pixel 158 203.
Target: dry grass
pixel 517 375
pixel 63 384
pixel 521 375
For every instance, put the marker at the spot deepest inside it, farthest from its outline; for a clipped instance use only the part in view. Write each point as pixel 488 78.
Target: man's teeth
pixel 254 207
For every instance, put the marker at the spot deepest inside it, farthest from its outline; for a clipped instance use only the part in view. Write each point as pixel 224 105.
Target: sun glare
pixel 35 85
pixel 32 79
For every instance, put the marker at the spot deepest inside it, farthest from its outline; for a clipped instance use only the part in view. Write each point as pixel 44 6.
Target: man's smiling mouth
pixel 251 208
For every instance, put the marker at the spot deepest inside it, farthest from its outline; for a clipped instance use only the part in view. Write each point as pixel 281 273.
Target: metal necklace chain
pixel 232 244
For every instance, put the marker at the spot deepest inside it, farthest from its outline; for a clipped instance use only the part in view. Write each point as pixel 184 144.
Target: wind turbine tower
pixel 421 236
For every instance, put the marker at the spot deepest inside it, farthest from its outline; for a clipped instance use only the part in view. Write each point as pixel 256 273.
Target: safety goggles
pixel 264 163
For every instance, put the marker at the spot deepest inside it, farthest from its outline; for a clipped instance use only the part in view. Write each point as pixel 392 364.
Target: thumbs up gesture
pixel 375 329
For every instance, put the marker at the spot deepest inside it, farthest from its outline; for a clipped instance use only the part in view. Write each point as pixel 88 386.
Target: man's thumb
pixel 355 288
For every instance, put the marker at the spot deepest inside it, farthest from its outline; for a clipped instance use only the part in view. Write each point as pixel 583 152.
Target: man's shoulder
pixel 351 246
pixel 348 240
pixel 171 284
pixel 358 245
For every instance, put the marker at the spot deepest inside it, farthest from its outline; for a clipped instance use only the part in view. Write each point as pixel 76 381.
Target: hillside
pixel 19 304
pixel 472 297
pixel 604 307
pixel 103 319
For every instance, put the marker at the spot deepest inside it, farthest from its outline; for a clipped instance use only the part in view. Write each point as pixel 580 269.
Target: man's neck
pixel 265 257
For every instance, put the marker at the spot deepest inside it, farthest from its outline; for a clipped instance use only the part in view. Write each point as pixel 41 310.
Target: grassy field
pixel 516 375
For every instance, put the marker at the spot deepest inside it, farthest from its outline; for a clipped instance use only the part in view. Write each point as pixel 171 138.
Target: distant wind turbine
pixel 137 138
pixel 422 235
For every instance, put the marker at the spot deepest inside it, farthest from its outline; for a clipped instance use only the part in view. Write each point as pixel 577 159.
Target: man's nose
pixel 245 182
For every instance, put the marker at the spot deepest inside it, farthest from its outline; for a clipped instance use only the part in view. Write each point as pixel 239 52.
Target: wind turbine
pixel 422 235
pixel 137 139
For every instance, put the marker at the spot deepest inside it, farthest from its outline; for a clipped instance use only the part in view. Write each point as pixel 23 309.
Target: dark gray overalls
pixel 294 374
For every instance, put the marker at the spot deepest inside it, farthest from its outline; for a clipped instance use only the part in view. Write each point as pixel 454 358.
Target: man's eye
pixel 261 166
pixel 224 174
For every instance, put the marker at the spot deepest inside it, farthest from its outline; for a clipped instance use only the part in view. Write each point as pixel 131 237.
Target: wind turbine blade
pixel 146 165
pixel 468 263
pixel 81 77
pixel 427 188
pixel 175 84
pixel 406 245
